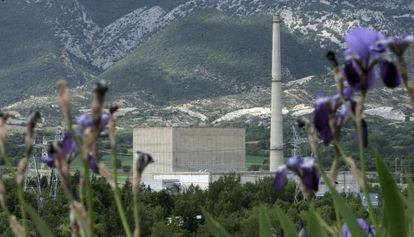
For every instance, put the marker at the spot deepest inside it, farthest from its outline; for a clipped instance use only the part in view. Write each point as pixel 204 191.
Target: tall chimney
pixel 276 122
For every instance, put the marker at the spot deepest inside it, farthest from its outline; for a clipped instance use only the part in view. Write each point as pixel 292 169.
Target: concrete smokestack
pixel 276 123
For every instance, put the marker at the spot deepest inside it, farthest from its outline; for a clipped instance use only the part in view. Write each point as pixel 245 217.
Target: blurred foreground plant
pixel 80 138
pixel 369 55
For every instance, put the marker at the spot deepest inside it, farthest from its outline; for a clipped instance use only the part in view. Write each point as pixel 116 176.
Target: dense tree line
pixel 233 205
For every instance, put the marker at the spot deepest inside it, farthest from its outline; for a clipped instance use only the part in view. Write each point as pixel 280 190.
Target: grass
pixel 255 160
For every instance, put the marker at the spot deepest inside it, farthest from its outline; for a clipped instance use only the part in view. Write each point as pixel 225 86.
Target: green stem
pixel 136 214
pixel 88 191
pixel 118 201
pixel 22 208
pixel 328 182
pixel 364 178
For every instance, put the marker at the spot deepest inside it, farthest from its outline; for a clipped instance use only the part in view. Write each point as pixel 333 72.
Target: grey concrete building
pixel 191 149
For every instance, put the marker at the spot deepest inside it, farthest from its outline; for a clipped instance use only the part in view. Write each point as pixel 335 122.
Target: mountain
pixel 186 62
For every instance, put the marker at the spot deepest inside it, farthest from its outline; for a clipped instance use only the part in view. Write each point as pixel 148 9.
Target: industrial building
pixel 191 149
pixel 199 156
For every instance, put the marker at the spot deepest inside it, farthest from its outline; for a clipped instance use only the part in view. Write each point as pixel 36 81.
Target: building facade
pixel 191 149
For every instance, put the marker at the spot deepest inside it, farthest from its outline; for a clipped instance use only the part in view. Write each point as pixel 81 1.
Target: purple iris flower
pixel 398 45
pixel 368 229
pixel 363 52
pixel 93 164
pixel 85 121
pixel 69 150
pixel 304 168
pixel 68 147
pixel 389 74
pixel 325 108
pixel 362 45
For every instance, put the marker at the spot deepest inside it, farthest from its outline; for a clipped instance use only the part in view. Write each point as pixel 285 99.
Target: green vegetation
pixel 234 206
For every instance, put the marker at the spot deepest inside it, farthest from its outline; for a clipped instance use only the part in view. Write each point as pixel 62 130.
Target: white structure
pixel 276 123
pixel 194 150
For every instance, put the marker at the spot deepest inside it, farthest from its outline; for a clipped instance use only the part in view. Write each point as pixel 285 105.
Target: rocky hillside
pixel 186 62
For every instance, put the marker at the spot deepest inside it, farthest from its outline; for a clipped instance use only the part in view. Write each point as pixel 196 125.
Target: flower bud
pixel 106 173
pixel 112 123
pixel 3 121
pixel 21 170
pixel 31 124
pixel 64 98
pixel 100 88
pixel 143 160
pixel 2 194
pixel 63 167
pixel 81 217
pixel 16 227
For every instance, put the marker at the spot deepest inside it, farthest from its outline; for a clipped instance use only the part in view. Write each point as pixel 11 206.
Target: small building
pixel 194 150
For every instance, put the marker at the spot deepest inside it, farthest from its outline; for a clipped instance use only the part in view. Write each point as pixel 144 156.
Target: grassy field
pixel 255 160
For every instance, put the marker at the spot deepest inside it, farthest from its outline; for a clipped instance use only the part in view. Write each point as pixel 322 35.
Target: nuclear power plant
pixel 199 156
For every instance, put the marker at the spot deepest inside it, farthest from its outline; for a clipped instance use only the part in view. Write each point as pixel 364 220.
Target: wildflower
pixel 64 98
pixel 362 55
pixel 21 170
pixel 100 88
pixel 68 148
pixel 327 120
pixel 368 229
pixel 398 45
pixel 85 121
pixel 93 165
pixel 62 166
pixel 3 120
pixel 112 123
pixel 31 124
pixel 304 168
pixel 143 160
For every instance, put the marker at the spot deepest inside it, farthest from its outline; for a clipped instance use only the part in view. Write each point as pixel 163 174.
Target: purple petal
pixel 84 121
pixel 361 42
pixel 68 147
pixel 344 114
pixel 294 162
pixel 310 174
pixel 397 44
pixel 352 75
pixel 389 74
pixel 93 165
pixel 345 231
pixel 49 160
pixel 364 225
pixel 348 93
pixel 104 120
pixel 321 119
pixel 280 178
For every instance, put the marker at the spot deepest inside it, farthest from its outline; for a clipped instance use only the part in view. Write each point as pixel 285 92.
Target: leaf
pixel 346 213
pixel 314 226
pixel 265 226
pixel 286 224
pixel 214 227
pixel 40 224
pixel 394 210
